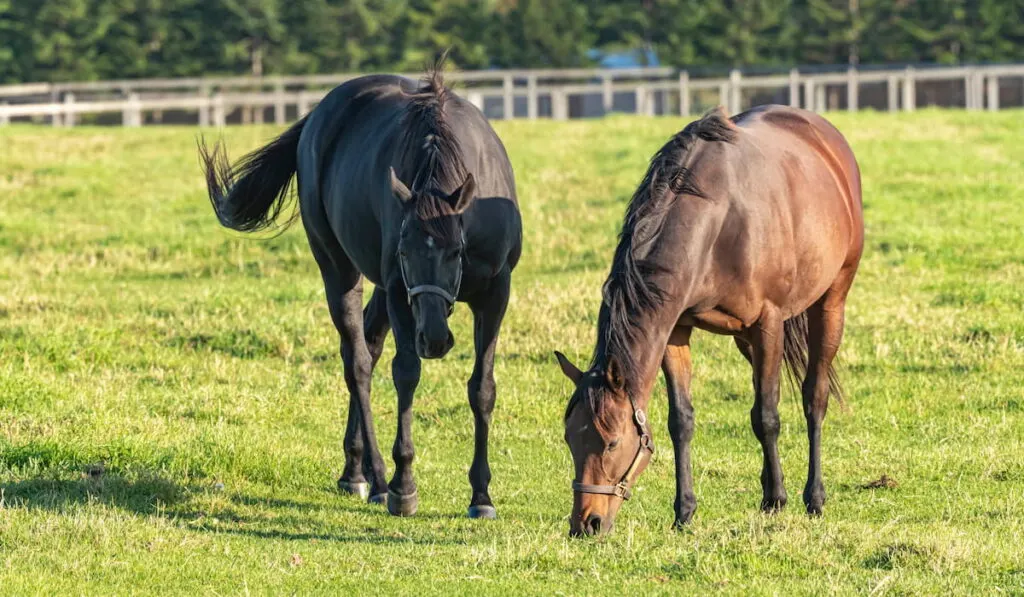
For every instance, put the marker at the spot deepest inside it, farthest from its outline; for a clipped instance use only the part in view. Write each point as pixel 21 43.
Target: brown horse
pixel 751 227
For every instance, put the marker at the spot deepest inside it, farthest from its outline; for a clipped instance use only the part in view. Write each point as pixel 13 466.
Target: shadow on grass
pixel 154 496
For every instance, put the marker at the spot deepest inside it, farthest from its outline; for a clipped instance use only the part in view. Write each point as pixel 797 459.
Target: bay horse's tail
pixel 250 195
pixel 794 352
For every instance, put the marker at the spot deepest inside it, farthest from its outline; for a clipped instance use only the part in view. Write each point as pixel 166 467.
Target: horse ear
pixel 614 375
pixel 571 371
pixel 464 195
pixel 399 190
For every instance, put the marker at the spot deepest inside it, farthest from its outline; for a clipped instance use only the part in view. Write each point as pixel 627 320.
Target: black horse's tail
pixel 252 194
pixel 794 352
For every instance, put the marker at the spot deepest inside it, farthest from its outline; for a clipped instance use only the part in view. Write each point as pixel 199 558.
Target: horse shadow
pixel 154 495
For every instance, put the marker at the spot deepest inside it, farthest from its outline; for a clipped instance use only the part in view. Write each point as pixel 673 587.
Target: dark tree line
pixel 57 40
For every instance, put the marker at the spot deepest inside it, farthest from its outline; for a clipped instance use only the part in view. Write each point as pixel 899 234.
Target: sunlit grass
pixel 201 370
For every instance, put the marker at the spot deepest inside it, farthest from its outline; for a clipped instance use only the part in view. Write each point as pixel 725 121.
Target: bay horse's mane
pixel 631 289
pixel 430 155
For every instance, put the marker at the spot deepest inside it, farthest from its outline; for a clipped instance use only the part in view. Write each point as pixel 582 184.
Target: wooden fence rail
pixel 511 94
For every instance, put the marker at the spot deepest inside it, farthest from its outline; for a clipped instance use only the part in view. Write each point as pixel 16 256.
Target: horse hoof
pixel 377 498
pixel 403 505
pixel 483 511
pixel 358 488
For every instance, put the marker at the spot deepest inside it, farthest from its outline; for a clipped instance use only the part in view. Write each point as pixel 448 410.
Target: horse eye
pixel 613 445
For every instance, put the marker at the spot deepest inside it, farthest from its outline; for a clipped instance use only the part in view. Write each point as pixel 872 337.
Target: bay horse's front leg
pixel 766 340
pixel 403 499
pixel 677 367
pixel 488 312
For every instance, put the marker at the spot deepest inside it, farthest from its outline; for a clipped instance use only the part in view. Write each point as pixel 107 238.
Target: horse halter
pixel 621 489
pixel 449 297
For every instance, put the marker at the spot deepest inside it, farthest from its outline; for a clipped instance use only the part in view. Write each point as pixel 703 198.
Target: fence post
pixel 969 90
pixel 723 95
pixel 302 103
pixel 559 105
pixel 684 93
pixel 638 100
pixel 909 91
pixel 809 95
pixel 219 112
pixel 508 105
pixel 993 93
pixel 477 99
pixel 132 114
pixel 69 115
pixel 735 92
pixel 852 90
pixel 279 103
pixel 794 88
pixel 892 90
pixel 204 110
pixel 607 94
pixel 532 101
pixel 819 99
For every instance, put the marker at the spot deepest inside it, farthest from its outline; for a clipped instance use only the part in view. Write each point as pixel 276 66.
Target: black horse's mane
pixel 430 155
pixel 631 290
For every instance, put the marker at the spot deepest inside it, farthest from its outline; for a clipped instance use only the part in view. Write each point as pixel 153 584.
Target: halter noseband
pixel 621 489
pixel 449 297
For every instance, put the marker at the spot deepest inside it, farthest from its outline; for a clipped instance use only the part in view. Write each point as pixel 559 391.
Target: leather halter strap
pixel 431 289
pixel 449 297
pixel 622 488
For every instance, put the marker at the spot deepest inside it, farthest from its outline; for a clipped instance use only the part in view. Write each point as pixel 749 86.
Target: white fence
pixel 558 94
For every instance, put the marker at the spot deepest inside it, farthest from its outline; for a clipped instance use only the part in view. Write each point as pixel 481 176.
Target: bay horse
pixel 750 227
pixel 405 184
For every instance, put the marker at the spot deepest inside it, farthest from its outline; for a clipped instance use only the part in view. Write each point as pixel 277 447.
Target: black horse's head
pixel 430 251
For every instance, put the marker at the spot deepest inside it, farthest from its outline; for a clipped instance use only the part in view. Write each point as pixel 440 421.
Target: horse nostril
pixel 593 525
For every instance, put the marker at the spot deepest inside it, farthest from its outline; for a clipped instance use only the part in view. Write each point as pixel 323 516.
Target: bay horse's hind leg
pixel 358 465
pixel 488 313
pixel 825 320
pixel 766 341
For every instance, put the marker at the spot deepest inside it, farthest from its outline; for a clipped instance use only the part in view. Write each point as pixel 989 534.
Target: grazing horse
pixel 407 185
pixel 750 227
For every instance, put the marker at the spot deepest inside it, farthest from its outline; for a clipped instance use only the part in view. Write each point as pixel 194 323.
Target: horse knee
pixel 765 422
pixel 405 370
pixel 680 422
pixel 481 390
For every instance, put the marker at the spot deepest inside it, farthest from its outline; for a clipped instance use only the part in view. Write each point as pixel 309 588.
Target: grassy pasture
pixel 200 370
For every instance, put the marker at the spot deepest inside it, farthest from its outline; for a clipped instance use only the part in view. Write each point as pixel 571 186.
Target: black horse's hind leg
pixel 488 312
pixel 358 463
pixel 825 332
pixel 766 341
pixel 677 367
pixel 405 371
pixel 344 290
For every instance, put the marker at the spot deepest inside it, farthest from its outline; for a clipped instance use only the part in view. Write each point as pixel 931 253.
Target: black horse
pixel 406 184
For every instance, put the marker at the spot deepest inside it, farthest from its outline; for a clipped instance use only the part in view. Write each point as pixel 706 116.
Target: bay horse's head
pixel 610 444
pixel 430 252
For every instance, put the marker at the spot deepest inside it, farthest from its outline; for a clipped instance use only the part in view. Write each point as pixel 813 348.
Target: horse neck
pixel 647 350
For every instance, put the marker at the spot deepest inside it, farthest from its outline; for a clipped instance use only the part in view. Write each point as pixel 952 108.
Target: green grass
pixel 201 369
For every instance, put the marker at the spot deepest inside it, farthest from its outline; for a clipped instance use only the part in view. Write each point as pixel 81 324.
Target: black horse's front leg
pixel 488 312
pixel 403 499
